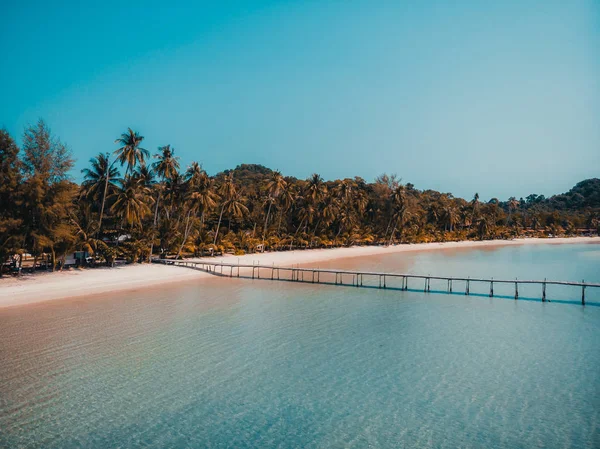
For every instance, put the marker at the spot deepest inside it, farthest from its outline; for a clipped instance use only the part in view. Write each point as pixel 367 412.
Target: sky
pixel 499 98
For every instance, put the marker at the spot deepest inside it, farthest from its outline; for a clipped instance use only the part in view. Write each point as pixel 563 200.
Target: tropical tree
pixel 167 168
pixel 11 197
pixel 100 180
pixel 132 202
pixel 227 192
pixel 130 152
pixel 275 185
pixel 48 194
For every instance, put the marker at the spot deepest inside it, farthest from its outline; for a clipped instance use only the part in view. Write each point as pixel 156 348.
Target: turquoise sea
pixel 228 363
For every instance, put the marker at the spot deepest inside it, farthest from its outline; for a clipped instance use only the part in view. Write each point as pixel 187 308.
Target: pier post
pixel 467 288
pixel 313 276
pixel 583 293
pixel 450 285
pixel 406 284
pixel 544 290
pixel 231 271
pixel 516 290
pixel 425 289
pixel 492 288
pixel 384 281
pixel 379 281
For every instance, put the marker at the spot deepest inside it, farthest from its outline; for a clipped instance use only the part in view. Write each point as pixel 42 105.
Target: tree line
pixel 134 205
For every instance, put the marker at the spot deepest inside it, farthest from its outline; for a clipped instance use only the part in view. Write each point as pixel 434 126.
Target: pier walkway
pixel 358 278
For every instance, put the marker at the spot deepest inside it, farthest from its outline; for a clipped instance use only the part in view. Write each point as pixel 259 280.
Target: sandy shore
pixel 76 283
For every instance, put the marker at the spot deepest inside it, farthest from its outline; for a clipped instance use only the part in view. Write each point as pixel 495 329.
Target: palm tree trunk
pixel 317 226
pixel 53 259
pixel 388 228
pixel 299 226
pixel 279 224
pixel 62 259
pixel 339 231
pixel 185 234
pixel 154 227
pixel 219 224
pixel 103 200
pixel 266 221
pixel 393 232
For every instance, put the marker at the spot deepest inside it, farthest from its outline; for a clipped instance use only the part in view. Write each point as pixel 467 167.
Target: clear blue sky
pixel 498 97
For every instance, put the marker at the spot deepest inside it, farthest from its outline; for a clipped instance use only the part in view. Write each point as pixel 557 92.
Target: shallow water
pixel 241 363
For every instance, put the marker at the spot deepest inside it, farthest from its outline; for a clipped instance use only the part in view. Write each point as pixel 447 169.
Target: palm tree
pixel 101 175
pixel 201 192
pixel 315 189
pixel 513 204
pixel 85 229
pixel 474 204
pixel 227 192
pixel 275 186
pixel 450 215
pixel 327 211
pixel 195 174
pixel 130 152
pixel 146 175
pixel 167 164
pixel 483 224
pixel 167 168
pixel 287 199
pixel 398 201
pixel 131 202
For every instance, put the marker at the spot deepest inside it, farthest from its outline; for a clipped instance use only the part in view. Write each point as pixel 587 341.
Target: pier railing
pixel 313 275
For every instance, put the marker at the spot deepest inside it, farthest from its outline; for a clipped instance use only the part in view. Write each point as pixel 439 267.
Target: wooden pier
pixel 356 278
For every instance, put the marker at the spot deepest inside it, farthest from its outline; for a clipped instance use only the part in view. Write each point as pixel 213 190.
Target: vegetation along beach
pixel 300 224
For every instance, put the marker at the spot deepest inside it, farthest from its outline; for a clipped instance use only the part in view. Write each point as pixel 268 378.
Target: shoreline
pixel 42 287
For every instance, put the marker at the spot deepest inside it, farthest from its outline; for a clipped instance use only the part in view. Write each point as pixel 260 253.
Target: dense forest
pixel 133 205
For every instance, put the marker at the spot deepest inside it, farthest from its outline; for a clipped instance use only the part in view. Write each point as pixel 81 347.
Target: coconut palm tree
pixel 167 168
pixel 513 204
pixel 101 177
pixel 398 202
pixel 275 185
pixel 167 164
pixel 474 207
pixel 146 175
pixel 131 202
pixel 327 211
pixel 130 153
pixel 200 192
pixel 483 225
pixel 227 192
pixel 315 189
pixel 287 198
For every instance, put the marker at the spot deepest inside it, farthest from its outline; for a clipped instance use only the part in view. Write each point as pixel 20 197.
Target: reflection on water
pixel 240 363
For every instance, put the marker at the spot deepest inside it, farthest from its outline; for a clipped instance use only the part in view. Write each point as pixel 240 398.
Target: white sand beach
pixel 40 287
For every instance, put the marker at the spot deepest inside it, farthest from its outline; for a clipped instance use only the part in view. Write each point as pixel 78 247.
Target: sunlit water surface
pixel 242 363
